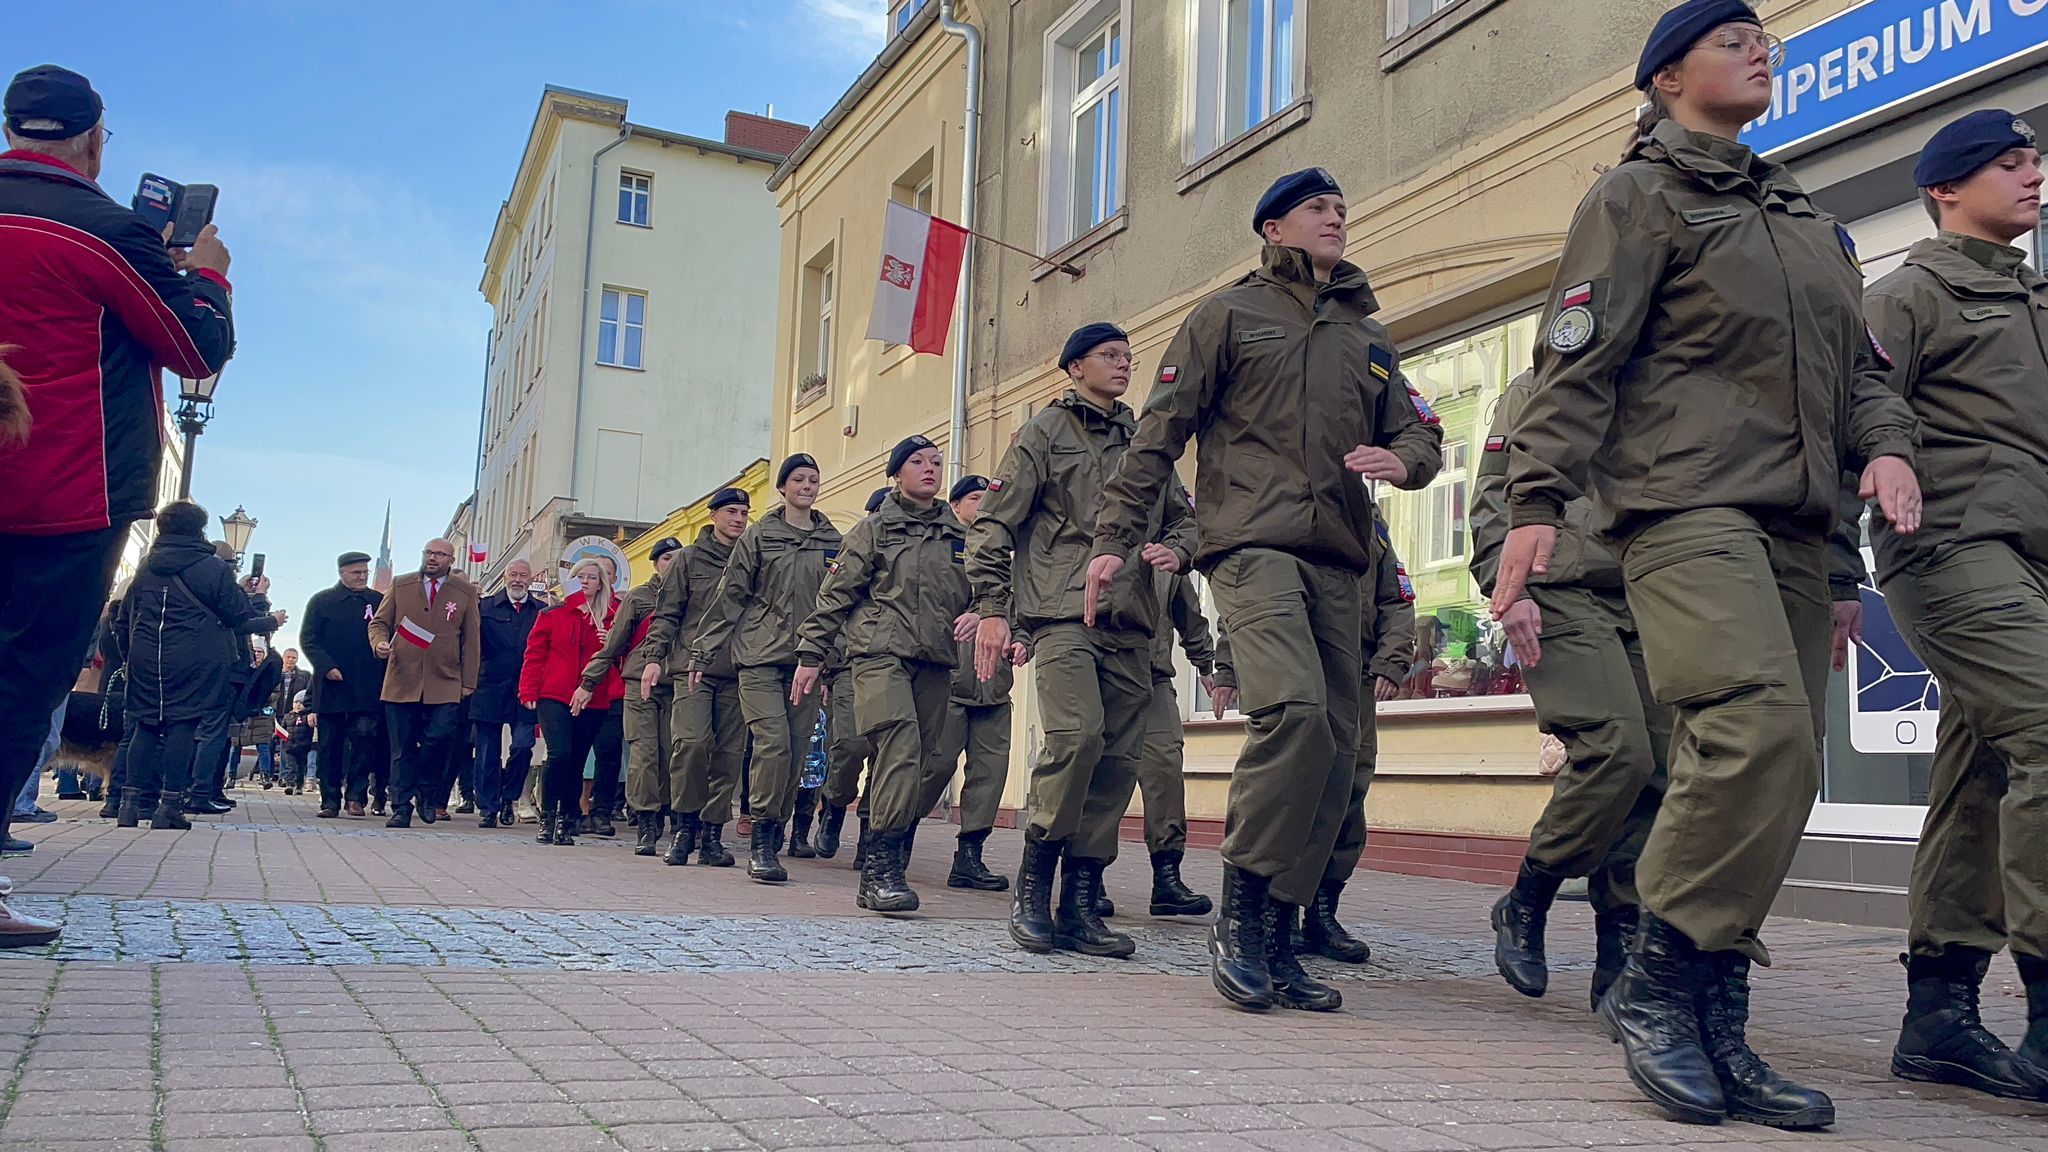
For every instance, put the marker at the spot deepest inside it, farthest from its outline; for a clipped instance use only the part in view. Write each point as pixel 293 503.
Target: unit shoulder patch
pixel 1572 329
pixel 1849 248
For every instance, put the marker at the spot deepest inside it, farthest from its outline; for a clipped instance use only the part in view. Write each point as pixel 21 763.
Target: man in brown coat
pixel 427 630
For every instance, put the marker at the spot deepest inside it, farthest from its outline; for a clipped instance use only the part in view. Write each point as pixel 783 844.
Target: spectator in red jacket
pixel 562 642
pixel 93 306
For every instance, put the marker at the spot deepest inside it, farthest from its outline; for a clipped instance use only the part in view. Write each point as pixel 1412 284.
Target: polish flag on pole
pixel 413 634
pixel 478 553
pixel 921 257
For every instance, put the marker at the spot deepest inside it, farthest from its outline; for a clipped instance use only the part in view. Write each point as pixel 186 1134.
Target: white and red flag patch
pixel 1577 295
pixel 914 295
pixel 413 634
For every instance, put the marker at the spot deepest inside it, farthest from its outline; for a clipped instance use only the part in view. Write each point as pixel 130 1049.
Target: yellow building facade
pixel 686 522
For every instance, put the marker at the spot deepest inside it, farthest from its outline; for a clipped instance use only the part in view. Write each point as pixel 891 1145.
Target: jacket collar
pixel 778 524
pixel 1718 164
pixel 1291 271
pixel 1118 415
pixel 707 538
pixel 1965 276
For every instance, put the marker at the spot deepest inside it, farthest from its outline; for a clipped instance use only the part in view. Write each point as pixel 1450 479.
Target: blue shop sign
pixel 1888 56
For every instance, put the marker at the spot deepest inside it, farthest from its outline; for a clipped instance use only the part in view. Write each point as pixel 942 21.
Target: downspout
pixel 583 318
pixel 956 447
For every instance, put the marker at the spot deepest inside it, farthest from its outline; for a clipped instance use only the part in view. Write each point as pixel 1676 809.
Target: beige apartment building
pixel 1131 139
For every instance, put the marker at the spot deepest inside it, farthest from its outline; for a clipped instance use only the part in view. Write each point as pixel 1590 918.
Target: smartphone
pixel 256 566
pixel 156 200
pixel 193 214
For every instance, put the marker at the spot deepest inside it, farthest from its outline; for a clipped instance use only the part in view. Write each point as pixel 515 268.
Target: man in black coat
pixel 505 619
pixel 348 713
pixel 217 742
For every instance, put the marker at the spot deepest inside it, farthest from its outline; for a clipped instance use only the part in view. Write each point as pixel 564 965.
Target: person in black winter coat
pixel 183 621
pixel 348 685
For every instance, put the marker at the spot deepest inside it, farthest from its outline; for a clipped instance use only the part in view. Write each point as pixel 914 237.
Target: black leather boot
pixel 889 891
pixel 401 816
pixel 761 862
pixel 1237 942
pixel 566 823
pixel 128 814
pixel 1613 928
pixel 1031 908
pixel 111 810
pixel 1104 906
pixel 1518 922
pixel 860 849
pixel 711 846
pixel 600 824
pixel 1943 1040
pixel 830 820
pixel 800 825
pixel 649 840
pixel 685 841
pixel 1170 896
pixel 1076 925
pixel 1293 987
pixel 1650 1013
pixel 2034 974
pixel 969 871
pixel 169 814
pixel 547 827
pixel 1752 1090
pixel 1323 934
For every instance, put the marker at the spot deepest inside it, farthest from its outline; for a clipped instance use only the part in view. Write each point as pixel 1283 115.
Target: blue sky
pixel 362 151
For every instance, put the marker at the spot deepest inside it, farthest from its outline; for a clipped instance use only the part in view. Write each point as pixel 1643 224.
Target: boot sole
pixel 1683 1113
pixel 1281 1000
pixel 1109 952
pixel 30 939
pixel 1037 947
pixel 776 877
pixel 1200 907
pixel 1926 1071
pixel 1500 958
pixel 1808 1120
pixel 889 907
pixel 646 852
pixel 1249 1002
pixel 999 884
pixel 1341 956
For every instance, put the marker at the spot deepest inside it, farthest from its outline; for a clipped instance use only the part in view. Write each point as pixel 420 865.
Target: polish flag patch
pixel 1577 295
pixel 1496 443
pixel 1168 373
pixel 414 635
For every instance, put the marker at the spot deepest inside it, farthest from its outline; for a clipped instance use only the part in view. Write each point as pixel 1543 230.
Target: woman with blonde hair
pixel 551 681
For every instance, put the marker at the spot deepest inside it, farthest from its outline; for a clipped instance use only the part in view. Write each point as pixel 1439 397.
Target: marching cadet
pixel 898 590
pixel 1388 629
pixel 1706 376
pixel 848 749
pixel 1161 781
pixel 1295 394
pixel 647 709
pixel 770 587
pixel 1027 556
pixel 1582 660
pixel 978 724
pixel 710 738
pixel 1966 322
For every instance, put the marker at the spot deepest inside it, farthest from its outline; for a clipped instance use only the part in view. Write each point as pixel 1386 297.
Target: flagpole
pixel 1063 266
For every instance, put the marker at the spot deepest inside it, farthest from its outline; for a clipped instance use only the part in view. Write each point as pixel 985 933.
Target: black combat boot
pixel 111 810
pixel 1518 921
pixel 487 820
pixel 1104 906
pixel 1076 925
pixel 1237 942
pixel 860 849
pixel 1031 909
pixel 800 825
pixel 685 841
pixel 169 814
pixel 649 840
pixel 600 824
pixel 129 813
pixel 831 818
pixel 1613 928
pixel 1170 896
pixel 547 826
pixel 761 862
pixel 883 886
pixel 1293 987
pixel 1944 1041
pixel 969 871
pixel 1323 934
pixel 1752 1090
pixel 2034 974
pixel 711 846
pixel 1650 1013
pixel 566 823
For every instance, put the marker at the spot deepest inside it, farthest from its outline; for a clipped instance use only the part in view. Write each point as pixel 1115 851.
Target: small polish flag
pixel 1573 297
pixel 921 258
pixel 413 634
pixel 478 553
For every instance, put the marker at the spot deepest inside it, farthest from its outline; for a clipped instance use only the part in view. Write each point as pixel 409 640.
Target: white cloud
pixel 853 29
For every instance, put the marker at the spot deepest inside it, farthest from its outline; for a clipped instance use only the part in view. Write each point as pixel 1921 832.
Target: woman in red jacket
pixel 562 641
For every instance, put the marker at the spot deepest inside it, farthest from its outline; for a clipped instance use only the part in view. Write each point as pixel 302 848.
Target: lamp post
pixel 235 529
pixel 195 408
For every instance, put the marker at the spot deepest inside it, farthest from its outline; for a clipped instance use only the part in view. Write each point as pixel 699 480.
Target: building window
pixel 1246 67
pixel 636 194
pixel 921 196
pixel 1443 519
pixel 913 188
pixel 900 14
pixel 1405 14
pixel 1084 167
pixel 814 358
pixel 621 328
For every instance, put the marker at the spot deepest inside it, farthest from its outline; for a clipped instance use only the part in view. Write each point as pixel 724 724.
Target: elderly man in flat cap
pixel 348 677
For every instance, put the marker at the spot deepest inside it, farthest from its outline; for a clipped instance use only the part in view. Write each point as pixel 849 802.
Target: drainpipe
pixel 956 448
pixel 583 319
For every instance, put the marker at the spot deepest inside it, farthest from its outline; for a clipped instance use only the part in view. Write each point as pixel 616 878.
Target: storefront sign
pixel 584 546
pixel 1889 55
pixel 1896 700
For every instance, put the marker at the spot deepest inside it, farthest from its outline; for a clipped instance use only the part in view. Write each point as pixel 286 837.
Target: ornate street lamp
pixel 195 408
pixel 235 530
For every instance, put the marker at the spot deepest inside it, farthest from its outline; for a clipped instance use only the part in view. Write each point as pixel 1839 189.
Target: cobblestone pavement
pixel 278 983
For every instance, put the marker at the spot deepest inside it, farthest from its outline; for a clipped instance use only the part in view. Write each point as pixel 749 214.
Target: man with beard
pixel 505 620
pixel 348 717
pixel 427 630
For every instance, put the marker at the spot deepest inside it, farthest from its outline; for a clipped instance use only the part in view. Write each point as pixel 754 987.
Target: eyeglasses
pixel 1114 359
pixel 1744 42
pixel 437 552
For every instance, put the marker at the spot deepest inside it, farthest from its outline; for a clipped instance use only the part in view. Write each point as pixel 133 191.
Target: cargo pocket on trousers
pixel 1275 657
pixel 1710 618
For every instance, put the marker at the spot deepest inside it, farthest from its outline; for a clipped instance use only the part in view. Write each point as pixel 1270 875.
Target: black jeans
pixel 611 759
pixel 160 759
pixel 569 742
pixel 352 750
pixel 52 589
pixel 423 738
pixel 499 778
pixel 210 765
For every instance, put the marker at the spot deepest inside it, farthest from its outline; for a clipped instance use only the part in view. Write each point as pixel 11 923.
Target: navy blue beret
pixel 799 460
pixel 967 486
pixel 1966 144
pixel 725 496
pixel 664 546
pixel 1290 192
pixel 48 92
pixel 876 497
pixel 1679 29
pixel 1087 338
pixel 903 451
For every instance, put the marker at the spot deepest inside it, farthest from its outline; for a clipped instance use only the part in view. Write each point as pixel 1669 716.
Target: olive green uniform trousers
pixel 847 748
pixel 710 744
pixel 647 746
pixel 1977 615
pixel 1161 782
pixel 982 731
pixel 901 707
pixel 1092 698
pixel 1294 629
pixel 1592 692
pixel 1734 617
pixel 782 738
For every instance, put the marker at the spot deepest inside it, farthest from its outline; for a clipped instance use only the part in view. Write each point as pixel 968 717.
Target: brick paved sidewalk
pixel 276 983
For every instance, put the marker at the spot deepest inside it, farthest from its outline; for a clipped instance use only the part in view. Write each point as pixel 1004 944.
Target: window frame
pixel 1081 25
pixel 1207 131
pixel 642 196
pixel 622 323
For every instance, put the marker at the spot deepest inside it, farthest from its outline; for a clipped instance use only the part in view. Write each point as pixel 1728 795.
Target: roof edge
pixel 899 46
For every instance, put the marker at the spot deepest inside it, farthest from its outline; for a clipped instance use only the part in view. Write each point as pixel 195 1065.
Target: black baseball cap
pixel 47 92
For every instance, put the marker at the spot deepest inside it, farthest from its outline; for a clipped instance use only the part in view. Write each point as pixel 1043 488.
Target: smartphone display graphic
pixel 156 199
pixel 256 566
pixel 1897 700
